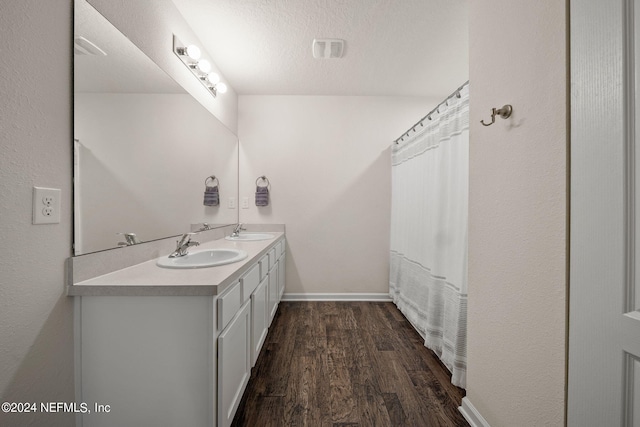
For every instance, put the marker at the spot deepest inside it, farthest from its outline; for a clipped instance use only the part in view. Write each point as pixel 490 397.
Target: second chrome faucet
pixel 236 231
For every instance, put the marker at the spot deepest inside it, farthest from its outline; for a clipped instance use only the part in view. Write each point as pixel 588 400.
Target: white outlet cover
pixel 46 205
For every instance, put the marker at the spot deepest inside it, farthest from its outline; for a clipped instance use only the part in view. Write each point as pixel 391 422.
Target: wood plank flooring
pixel 347 364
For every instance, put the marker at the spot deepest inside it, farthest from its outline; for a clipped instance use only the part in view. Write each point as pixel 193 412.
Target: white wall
pixel 328 162
pixel 154 166
pixel 518 209
pixel 150 25
pixel 36 317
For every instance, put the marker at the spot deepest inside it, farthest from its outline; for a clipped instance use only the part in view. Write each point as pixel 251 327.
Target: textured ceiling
pixel 393 47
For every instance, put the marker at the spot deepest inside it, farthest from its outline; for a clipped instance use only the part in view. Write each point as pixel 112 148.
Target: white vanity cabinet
pixel 169 360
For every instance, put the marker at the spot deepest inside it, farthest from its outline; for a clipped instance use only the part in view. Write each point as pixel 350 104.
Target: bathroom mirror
pixel 143 147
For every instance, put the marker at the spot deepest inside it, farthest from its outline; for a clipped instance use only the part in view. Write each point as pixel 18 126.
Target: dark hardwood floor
pixel 345 364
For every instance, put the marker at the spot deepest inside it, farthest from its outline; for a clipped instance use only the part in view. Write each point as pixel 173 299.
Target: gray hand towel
pixel 211 196
pixel 262 196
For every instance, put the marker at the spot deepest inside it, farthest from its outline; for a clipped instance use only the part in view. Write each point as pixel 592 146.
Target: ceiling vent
pixel 328 48
pixel 82 46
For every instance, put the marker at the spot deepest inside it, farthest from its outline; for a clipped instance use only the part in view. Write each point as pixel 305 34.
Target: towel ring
pixel 212 178
pixel 263 178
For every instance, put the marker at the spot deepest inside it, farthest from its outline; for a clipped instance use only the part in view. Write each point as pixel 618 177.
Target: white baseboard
pixel 471 414
pixel 383 297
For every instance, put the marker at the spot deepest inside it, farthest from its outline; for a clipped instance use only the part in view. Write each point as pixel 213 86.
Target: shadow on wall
pixel 35 381
pixel 137 211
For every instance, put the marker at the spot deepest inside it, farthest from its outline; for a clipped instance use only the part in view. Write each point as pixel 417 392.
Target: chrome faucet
pixel 183 245
pixel 237 230
pixel 205 227
pixel 130 239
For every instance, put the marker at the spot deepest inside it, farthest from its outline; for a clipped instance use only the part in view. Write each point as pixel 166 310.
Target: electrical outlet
pixel 46 205
pixel 245 203
pixel 232 203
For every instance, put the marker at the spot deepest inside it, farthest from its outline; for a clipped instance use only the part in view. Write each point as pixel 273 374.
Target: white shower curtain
pixel 429 217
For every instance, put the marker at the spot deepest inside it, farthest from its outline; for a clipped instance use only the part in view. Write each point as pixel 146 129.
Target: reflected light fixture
pixel 213 78
pixel 191 56
pixel 203 66
pixel 192 51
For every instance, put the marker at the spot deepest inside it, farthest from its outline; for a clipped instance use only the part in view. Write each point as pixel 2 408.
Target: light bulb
pixel 213 78
pixel 204 66
pixel 192 51
pixel 221 88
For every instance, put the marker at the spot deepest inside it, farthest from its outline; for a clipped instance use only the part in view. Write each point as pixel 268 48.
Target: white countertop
pixel 147 279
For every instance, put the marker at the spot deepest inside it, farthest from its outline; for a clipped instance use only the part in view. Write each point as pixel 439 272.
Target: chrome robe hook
pixel 504 112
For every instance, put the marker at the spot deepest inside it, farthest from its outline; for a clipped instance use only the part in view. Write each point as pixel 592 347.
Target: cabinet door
pixel 234 364
pixel 259 325
pixel 273 291
pixel 281 274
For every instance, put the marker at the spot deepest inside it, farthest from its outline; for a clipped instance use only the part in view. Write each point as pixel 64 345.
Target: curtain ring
pixel 212 178
pixel 263 178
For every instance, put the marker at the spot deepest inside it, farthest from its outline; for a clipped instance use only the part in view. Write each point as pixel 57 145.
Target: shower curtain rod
pixel 428 116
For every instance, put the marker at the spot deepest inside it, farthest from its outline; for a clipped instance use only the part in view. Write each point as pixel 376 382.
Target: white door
pixel 604 321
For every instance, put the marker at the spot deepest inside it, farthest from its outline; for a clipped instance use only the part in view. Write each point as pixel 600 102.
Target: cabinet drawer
pixel 250 282
pixel 228 305
pixel 264 266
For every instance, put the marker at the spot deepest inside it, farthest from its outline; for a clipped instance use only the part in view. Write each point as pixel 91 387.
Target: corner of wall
pixel 36 316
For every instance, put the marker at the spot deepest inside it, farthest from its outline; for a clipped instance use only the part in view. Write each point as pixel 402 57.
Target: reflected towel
pixel 262 196
pixel 211 196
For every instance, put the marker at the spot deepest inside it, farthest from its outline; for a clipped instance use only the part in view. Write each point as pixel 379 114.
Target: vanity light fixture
pixel 190 55
pixel 192 51
pixel 214 79
pixel 203 66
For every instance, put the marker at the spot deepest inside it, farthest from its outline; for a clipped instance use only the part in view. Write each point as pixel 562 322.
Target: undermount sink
pixel 203 259
pixel 248 237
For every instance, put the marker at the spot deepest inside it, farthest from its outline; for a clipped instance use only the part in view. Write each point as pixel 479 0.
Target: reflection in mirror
pixel 143 147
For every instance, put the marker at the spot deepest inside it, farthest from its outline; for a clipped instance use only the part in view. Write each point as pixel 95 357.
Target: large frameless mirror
pixel 143 147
